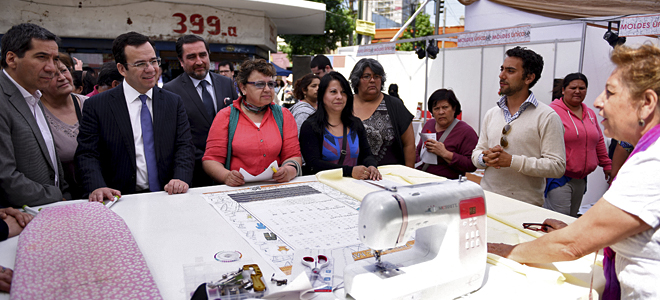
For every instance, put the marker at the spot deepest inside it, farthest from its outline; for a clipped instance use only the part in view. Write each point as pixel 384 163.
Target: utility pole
pixel 351 8
pixel 360 9
pixel 414 23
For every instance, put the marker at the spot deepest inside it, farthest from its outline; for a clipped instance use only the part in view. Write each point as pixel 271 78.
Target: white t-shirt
pixel 636 190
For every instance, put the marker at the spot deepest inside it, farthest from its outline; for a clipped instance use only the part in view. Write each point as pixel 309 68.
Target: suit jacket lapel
pixel 18 101
pixel 120 114
pixel 190 88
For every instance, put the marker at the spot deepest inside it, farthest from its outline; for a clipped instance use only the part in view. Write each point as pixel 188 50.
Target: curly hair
pixel 532 62
pixel 639 68
pixel 259 65
pixel 302 84
pixel 358 70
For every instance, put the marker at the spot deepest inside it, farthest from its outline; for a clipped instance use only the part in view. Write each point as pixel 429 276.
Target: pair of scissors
pixel 316 264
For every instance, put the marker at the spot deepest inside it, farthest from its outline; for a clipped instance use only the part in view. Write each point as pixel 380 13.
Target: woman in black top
pixel 332 137
pixel 386 119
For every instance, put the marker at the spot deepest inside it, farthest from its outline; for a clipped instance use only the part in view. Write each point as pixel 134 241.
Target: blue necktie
pixel 149 147
pixel 208 100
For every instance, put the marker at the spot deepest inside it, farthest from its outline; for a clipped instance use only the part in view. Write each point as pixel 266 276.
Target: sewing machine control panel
pixel 472 225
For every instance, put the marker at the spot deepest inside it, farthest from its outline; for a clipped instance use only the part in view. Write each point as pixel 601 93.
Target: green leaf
pixel 422 28
pixel 339 24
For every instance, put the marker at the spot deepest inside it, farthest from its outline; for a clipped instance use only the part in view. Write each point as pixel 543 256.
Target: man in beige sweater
pixel 521 140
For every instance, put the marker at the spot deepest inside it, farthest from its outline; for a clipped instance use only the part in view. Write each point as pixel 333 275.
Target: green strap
pixel 233 123
pixel 279 118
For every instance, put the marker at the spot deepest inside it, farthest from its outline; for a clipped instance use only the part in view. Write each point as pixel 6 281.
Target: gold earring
pixel 641 122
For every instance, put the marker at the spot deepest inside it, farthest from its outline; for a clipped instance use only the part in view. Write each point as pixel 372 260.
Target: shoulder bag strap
pixel 77 106
pixel 446 133
pixel 279 118
pixel 233 122
pixel 343 147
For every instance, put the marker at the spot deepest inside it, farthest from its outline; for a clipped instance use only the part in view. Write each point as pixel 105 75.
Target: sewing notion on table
pixel 448 258
pixel 244 283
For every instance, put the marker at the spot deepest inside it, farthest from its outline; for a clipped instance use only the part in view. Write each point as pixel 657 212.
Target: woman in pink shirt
pixel 585 148
pixel 264 131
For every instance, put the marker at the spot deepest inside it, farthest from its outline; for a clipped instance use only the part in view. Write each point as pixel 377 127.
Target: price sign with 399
pixel 198 24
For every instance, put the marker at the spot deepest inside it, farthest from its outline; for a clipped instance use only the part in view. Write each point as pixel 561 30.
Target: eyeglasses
pixel 503 141
pixel 262 84
pixel 536 226
pixel 369 76
pixel 143 65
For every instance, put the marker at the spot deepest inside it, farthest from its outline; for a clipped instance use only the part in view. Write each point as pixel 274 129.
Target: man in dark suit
pixel 203 93
pixel 30 171
pixel 120 150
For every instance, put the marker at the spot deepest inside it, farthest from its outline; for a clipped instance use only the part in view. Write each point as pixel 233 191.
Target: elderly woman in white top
pixel 627 218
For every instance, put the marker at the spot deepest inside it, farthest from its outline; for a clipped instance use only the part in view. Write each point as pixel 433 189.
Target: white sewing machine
pixel 448 259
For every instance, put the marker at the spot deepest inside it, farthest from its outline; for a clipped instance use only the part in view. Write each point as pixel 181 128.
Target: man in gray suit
pixel 30 171
pixel 203 93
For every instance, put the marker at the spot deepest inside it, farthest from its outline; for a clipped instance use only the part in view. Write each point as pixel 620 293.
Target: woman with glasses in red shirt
pixel 253 132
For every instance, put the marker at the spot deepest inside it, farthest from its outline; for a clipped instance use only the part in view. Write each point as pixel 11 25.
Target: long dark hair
pixel 319 119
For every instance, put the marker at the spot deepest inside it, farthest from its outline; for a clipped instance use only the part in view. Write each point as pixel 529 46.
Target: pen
pixel 111 203
pixel 274 170
pixel 30 210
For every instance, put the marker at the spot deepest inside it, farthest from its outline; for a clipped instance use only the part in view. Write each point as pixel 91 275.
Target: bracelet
pixel 295 165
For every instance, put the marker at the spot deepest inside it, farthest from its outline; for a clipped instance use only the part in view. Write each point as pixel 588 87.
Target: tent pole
pixel 582 45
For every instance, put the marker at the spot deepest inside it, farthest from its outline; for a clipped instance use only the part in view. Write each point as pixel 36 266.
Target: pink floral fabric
pixel 80 251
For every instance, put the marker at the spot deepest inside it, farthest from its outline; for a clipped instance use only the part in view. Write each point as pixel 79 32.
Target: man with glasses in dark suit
pixel 203 93
pixel 135 137
pixel 522 140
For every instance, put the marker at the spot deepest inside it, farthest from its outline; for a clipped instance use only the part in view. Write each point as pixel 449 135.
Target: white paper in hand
pixel 264 176
pixel 424 154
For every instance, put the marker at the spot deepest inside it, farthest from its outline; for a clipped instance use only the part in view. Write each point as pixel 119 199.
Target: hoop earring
pixel 641 123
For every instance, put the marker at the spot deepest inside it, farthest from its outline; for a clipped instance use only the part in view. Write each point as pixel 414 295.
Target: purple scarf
pixel 612 288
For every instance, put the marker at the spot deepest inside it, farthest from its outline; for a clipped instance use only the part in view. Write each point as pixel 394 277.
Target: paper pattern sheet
pixel 315 221
pixel 277 219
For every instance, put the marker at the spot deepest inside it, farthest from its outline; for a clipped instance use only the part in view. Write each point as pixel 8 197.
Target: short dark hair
pixel 319 119
pixel 320 61
pixel 127 39
pixel 445 94
pixel 574 76
pixel 393 90
pixel 18 39
pixel 362 64
pixel 226 63
pixel 189 39
pixel 302 84
pixel 532 62
pixel 88 82
pixel 260 65
pixel 108 74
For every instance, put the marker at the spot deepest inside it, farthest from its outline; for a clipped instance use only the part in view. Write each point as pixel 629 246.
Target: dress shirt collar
pixel 196 81
pixel 132 94
pixel 30 98
pixel 531 100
